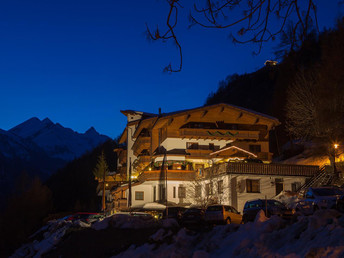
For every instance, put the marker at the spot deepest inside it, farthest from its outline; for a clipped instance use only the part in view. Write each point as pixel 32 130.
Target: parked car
pixel 222 214
pixel 87 217
pixel 173 213
pixel 193 217
pixel 327 197
pixel 269 206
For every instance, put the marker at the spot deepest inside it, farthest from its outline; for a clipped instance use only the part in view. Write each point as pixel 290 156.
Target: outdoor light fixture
pixel 336 146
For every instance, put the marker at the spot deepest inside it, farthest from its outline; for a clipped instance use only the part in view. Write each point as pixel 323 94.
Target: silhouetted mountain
pixel 40 148
pixel 56 140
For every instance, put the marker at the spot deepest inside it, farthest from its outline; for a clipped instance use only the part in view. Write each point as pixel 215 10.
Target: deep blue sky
pixel 81 62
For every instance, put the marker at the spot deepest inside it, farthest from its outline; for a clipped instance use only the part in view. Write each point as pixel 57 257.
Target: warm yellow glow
pixel 150 169
pixel 133 177
pixel 336 146
pixel 106 184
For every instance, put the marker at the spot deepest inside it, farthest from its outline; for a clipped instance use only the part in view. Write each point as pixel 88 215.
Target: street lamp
pixel 335 147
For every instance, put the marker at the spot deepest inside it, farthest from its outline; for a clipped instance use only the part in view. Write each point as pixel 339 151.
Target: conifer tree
pixel 101 167
pixel 100 173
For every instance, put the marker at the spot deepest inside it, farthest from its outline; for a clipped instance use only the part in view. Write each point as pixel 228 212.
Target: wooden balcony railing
pixel 262 169
pixel 219 134
pixel 120 204
pixel 145 158
pixel 140 144
pixel 122 156
pixel 176 175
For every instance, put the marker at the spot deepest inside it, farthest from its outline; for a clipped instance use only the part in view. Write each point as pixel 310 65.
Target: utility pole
pixel 129 185
pixel 103 196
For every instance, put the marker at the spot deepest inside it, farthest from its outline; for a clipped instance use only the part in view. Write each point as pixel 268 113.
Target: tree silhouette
pixel 315 102
pixel 100 173
pixel 255 22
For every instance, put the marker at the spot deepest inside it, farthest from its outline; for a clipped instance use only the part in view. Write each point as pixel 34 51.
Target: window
pixel 154 193
pixel 255 148
pixel 181 192
pixel 162 192
pixel 234 210
pixel 295 186
pixel 174 192
pixel 211 146
pixel 209 189
pixel 139 196
pixel 198 191
pixel 220 186
pixel 252 186
pixel 192 145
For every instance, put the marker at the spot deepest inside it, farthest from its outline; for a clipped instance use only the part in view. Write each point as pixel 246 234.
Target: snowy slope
pixel 12 146
pixel 56 140
pixel 318 235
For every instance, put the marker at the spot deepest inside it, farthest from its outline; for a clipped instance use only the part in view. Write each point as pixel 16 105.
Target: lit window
pixel 139 196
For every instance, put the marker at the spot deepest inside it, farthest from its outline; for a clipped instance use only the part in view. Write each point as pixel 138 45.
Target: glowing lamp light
pixel 336 146
pixel 106 184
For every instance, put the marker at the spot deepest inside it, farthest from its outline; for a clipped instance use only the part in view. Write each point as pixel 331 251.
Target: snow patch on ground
pixel 52 233
pixel 319 235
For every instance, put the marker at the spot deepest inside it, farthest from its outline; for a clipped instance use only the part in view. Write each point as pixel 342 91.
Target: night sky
pixel 81 62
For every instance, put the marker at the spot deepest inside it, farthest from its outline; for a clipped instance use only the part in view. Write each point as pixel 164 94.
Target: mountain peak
pixel 91 130
pixel 47 121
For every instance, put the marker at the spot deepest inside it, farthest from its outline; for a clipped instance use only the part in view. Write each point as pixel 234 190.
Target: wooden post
pixel 103 195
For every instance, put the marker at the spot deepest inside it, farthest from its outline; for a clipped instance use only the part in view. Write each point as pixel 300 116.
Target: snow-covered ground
pixel 318 235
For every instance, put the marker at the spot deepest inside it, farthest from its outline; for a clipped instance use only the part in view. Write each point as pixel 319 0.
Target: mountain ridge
pixel 58 141
pixel 39 148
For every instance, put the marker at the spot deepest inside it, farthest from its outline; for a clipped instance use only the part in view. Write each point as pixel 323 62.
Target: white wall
pixel 267 188
pixel 148 187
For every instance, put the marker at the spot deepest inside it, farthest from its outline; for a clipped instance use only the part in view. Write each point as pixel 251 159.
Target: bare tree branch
pixel 261 21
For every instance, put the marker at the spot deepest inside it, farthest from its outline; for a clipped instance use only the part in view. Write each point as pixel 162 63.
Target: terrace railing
pixel 262 169
pixel 179 175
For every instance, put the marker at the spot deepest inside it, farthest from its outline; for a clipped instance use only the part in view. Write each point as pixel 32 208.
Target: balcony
pixel 262 169
pixel 145 158
pixel 218 134
pixel 122 157
pixel 120 204
pixel 176 175
pixel 141 143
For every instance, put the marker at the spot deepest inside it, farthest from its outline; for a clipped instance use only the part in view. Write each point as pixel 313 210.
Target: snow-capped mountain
pixel 56 140
pixel 39 148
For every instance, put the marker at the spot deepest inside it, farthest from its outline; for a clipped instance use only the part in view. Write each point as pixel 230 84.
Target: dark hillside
pixel 266 89
pixel 74 186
